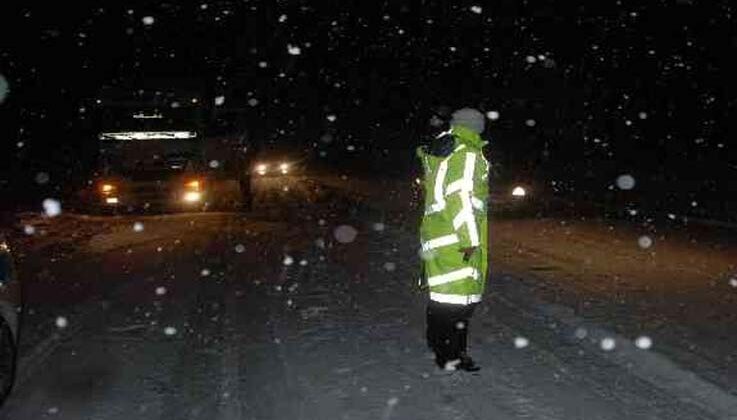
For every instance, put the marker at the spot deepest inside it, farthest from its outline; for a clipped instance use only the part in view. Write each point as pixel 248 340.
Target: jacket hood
pixel 468 137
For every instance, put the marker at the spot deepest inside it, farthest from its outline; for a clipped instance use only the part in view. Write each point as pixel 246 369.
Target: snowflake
pixel 240 248
pixel 644 242
pixel 608 344
pixel 52 207
pixel 293 49
pixel 288 260
pixel 477 9
pixel 345 234
pixel 29 229
pixel 148 20
pixel 643 342
pixel 625 182
pixel 160 291
pixel 492 115
pixel 61 322
pixel 331 118
pixel 390 266
pixel 170 331
pixel 378 226
pixel 530 59
pixel 138 227
pixel 219 100
pixel 521 342
pixel 205 272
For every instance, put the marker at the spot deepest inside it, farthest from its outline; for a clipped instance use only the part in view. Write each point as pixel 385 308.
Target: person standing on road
pixel 454 235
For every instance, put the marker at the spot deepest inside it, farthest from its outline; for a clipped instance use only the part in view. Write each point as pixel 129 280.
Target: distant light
pixel 192 196
pixel 261 169
pixel 107 188
pixel 111 200
pixel 284 168
pixel 147 135
pixel 519 192
pixel 142 116
pixel 195 184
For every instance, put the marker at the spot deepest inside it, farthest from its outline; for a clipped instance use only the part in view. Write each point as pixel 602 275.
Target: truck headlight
pixel 192 196
pixel 194 185
pixel 107 188
pixel 284 168
pixel 262 168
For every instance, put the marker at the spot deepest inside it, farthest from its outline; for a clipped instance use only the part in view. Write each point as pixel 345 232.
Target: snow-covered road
pixel 230 316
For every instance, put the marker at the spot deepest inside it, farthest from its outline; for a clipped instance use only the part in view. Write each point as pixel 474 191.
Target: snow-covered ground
pixel 274 315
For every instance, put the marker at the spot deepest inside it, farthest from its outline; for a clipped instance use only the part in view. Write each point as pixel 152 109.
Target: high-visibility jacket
pixel 456 194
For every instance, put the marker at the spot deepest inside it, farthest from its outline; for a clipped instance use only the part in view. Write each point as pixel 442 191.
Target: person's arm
pixel 464 206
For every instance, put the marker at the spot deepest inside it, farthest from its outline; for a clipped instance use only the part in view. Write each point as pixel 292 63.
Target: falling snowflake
pixel 253 102
pixel 138 227
pixel 477 9
pixel 240 248
pixel 733 282
pixel 644 242
pixel 460 325
pixel 521 342
pixel 580 333
pixel 4 88
pixel 205 272
pixel 530 122
pixel 331 117
pixel 170 331
pixel 214 164
pixel 42 178
pixel 160 291
pixel 492 115
pixel 378 226
pixel 625 182
pixel 52 207
pixel 391 402
pixel 530 59
pixel 303 263
pixel 263 64
pixel 53 410
pixel 29 229
pixel 345 234
pixel 293 49
pixel 288 260
pixel 643 342
pixel 219 100
pixel 148 20
pixel 61 322
pixel 642 115
pixel 390 266
pixel 608 344
pixel 282 18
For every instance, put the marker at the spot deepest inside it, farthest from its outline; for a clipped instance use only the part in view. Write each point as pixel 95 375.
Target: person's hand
pixel 468 252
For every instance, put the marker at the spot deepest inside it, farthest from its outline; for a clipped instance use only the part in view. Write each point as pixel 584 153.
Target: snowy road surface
pixel 285 315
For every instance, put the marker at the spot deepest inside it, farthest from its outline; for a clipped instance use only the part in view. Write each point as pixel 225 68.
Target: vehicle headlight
pixel 284 168
pixel 107 188
pixel 262 168
pixel 192 196
pixel 519 192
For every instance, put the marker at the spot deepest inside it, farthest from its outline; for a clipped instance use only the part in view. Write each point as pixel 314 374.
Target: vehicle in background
pixel 154 155
pixel 10 308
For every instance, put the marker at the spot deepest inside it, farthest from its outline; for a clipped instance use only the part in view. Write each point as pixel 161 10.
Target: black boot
pixel 467 364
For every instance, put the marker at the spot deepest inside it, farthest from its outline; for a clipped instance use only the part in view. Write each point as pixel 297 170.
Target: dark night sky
pixel 611 88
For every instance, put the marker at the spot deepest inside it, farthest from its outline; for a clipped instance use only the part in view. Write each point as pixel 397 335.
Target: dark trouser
pixel 447 329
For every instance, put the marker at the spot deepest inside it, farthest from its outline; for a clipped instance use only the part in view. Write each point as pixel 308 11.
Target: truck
pixel 167 152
